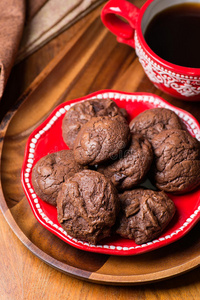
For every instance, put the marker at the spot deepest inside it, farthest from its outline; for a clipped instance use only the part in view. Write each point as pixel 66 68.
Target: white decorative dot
pixel 86 244
pixel 34 140
pixel 67 107
pixel 32 145
pixel 119 248
pixel 125 248
pixel 106 246
pixel 58 114
pixel 167 237
pixel 30 161
pixel 105 96
pixel 198 137
pixel 111 95
pixel 193 126
pixel 190 121
pixel 75 240
pixel 47 127
pixel 112 247
pixel 62 111
pixel 37 136
pixel 189 220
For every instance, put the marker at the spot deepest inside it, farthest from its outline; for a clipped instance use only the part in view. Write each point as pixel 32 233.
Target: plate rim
pixel 46 222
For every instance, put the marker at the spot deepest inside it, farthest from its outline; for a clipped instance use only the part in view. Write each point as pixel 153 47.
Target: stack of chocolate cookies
pixel 96 185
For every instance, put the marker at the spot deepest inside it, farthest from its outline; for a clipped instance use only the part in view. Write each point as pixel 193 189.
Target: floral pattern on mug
pixel 185 85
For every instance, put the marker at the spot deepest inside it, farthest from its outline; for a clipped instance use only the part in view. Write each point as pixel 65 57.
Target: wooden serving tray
pixel 52 87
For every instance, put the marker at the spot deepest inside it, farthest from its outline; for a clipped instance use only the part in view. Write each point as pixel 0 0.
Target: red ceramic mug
pixel 178 81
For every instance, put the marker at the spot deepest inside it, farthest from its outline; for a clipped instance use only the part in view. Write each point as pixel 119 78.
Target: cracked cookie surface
pixel 131 167
pixel 153 121
pixel 144 214
pixel 80 113
pixel 87 206
pixel 100 139
pixel 51 171
pixel 177 161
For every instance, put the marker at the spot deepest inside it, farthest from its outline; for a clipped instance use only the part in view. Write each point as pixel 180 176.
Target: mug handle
pixel 124 31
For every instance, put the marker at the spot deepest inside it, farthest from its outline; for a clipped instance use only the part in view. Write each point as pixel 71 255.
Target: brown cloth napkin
pixel 26 25
pixel 32 7
pixel 12 16
pixel 51 19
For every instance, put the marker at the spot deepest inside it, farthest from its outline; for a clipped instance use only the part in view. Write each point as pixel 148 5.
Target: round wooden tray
pixel 162 263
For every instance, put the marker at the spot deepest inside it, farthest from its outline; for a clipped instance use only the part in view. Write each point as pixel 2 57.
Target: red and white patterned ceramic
pixel 180 82
pixel 47 138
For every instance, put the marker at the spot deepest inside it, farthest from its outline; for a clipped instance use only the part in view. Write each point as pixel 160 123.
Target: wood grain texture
pixel 87 59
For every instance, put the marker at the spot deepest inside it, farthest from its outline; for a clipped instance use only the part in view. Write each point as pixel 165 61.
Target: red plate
pixel 47 138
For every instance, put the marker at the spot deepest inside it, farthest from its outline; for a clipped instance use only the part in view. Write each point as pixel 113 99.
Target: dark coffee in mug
pixel 174 34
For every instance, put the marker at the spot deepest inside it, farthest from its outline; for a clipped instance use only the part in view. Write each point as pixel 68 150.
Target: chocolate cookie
pixel 87 206
pixel 153 121
pixel 144 215
pixel 82 112
pixel 100 139
pixel 177 161
pixel 50 172
pixel 131 168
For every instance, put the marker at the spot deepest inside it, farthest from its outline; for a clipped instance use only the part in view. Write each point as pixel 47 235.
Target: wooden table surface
pixel 105 65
